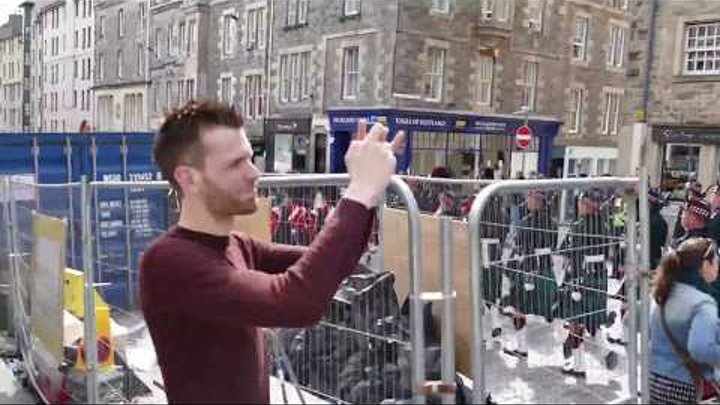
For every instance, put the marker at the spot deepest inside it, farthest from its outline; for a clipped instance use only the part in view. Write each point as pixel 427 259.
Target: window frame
pixel 226 97
pixel 440 6
pixel 435 73
pixel 351 79
pixel 580 44
pixel 285 79
pixel 295 78
pixel 616 51
pixel 120 57
pixel 484 81
pixel 529 84
pixel 121 23
pixel 252 107
pixel 706 49
pixel 252 21
pixel 101 27
pixel 228 48
pixel 577 99
pixel 182 37
pixel 536 15
pixel 611 113
pixel 351 8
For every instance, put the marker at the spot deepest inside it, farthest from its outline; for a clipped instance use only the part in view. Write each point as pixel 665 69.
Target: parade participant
pixel 694 219
pixel 693 190
pixel 584 294
pixel 713 226
pixel 533 290
pixel 658 227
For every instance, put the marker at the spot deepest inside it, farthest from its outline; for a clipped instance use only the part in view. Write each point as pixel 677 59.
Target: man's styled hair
pixel 179 139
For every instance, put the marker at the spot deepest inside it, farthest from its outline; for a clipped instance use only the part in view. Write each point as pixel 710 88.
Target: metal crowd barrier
pixel 104 269
pixel 560 291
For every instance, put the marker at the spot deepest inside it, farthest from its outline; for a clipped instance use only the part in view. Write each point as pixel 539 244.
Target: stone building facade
pixel 681 129
pixel 11 74
pixel 121 64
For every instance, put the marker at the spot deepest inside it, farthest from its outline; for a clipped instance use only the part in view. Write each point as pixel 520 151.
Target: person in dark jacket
pixel 533 290
pixel 583 296
pixel 658 227
pixel 714 223
pixel 693 190
pixel 493 234
pixel 694 220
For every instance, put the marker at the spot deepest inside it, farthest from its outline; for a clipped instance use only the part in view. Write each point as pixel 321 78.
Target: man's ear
pixel 185 178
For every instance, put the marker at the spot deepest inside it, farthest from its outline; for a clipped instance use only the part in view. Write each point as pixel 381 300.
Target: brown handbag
pixel 692 366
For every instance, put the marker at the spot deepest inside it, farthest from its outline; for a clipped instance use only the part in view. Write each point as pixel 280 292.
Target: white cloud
pixel 8 7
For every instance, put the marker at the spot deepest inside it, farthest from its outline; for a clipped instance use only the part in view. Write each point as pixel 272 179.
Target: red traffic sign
pixel 523 136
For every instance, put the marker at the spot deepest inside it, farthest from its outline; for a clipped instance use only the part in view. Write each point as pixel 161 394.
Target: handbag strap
pixel 692 366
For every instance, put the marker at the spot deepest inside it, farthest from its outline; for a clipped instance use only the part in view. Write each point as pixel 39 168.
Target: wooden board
pixel 256 225
pixel 395 238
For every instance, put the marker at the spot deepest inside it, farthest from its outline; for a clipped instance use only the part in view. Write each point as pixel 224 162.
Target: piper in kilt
pixel 583 296
pixel 533 287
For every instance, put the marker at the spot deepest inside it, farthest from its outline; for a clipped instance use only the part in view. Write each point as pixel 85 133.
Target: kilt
pixel 591 309
pixel 664 390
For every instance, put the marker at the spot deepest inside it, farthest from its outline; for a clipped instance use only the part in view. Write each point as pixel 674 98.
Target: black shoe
pixel 616 341
pixel 515 353
pixel 496 332
pixel 573 373
pixel 611 360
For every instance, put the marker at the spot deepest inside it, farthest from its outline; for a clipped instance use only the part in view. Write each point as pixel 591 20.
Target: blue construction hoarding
pixel 124 221
pixel 343 123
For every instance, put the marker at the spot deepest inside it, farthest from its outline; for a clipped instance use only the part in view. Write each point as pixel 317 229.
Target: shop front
pixel 471 146
pixel 581 161
pixel 682 152
pixel 289 145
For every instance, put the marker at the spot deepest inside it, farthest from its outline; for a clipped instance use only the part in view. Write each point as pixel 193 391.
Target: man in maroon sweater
pixel 207 292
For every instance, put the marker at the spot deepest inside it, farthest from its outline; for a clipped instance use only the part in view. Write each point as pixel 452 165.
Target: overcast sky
pixel 7 7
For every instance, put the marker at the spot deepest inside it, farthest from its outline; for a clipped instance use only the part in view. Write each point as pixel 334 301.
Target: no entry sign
pixel 523 136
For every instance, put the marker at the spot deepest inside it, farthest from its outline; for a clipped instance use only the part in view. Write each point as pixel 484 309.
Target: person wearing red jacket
pixel 207 292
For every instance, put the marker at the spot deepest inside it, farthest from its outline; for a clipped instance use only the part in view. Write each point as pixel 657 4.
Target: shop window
pixel 681 161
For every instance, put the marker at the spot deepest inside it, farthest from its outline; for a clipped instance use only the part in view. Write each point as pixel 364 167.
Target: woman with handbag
pixel 684 323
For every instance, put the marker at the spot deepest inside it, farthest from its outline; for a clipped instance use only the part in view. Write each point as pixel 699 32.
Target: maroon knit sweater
pixel 205 299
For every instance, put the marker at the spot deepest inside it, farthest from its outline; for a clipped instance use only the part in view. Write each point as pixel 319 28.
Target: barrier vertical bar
pixel 36 166
pixel 71 202
pixel 380 254
pixel 15 248
pixel 644 286
pixel 631 276
pixel 448 290
pixel 89 320
pixel 416 286
pixel 128 226
pixel 96 205
pixel 476 291
pixel 9 229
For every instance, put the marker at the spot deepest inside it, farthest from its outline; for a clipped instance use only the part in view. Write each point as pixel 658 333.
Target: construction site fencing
pixel 81 334
pixel 558 291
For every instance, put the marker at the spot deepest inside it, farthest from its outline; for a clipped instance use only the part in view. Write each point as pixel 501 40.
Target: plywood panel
pixel 256 225
pixel 396 260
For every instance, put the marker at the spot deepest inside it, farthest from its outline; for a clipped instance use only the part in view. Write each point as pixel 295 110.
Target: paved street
pixel 539 379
